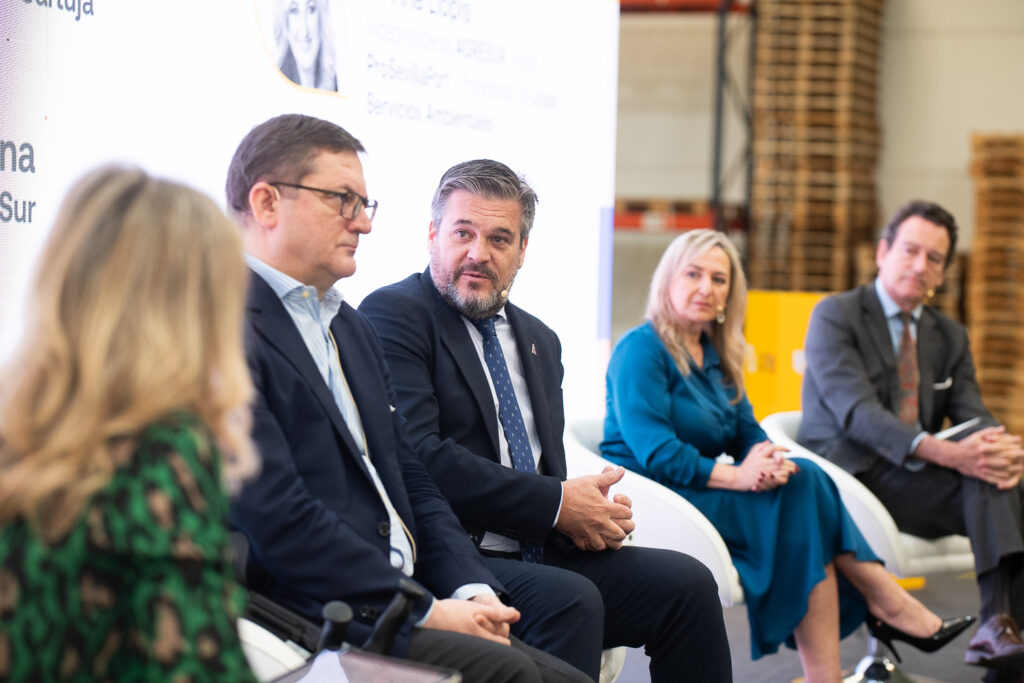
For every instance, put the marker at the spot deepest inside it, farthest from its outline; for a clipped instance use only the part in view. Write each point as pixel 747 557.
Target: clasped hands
pixel 764 468
pixel 484 616
pixel 992 455
pixel 589 517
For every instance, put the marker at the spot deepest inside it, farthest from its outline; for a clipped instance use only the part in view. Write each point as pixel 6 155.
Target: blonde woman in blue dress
pixel 675 401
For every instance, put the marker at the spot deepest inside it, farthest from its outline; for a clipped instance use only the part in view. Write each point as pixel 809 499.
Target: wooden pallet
pixel 869 13
pixel 985 143
pixel 770 39
pixel 855 228
pixel 997 232
pixel 770 101
pixel 815 88
pixel 816 148
pixel 855 57
pixel 842 73
pixel 836 118
pixel 773 132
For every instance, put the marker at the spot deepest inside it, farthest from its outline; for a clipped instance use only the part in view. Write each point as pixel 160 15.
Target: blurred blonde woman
pixel 120 412
pixel 676 401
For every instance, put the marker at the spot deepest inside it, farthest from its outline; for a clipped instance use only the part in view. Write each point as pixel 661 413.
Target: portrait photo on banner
pixel 305 41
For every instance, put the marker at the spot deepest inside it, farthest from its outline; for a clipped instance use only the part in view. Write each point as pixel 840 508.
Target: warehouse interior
pixel 943 122
pixel 796 127
pixel 855 108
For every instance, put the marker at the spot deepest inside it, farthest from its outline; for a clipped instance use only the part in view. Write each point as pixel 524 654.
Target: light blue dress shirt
pixel 312 317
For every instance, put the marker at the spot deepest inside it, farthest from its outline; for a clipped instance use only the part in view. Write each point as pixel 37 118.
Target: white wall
pixel 425 84
pixel 949 68
pixel 666 100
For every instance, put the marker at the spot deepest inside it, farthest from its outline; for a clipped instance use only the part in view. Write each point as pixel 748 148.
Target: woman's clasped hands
pixel 764 468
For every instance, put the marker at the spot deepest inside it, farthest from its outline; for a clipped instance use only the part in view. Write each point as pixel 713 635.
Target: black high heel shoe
pixel 949 630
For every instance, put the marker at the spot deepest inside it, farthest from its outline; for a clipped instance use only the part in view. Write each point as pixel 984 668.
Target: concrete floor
pixel 947 594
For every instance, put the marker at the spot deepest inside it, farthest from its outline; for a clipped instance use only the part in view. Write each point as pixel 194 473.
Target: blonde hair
pixel 727 337
pixel 137 314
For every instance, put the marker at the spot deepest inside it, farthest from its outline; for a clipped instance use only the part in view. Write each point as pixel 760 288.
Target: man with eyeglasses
pixel 342 507
pixel 883 372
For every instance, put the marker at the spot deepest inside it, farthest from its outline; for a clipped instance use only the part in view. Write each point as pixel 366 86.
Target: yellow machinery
pixel 776 325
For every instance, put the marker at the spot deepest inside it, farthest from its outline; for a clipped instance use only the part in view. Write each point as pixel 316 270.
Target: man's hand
pixel 484 616
pixel 988 454
pixel 587 516
pixel 1007 462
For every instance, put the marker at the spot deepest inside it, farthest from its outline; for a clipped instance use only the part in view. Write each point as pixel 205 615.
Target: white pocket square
pixel 943 385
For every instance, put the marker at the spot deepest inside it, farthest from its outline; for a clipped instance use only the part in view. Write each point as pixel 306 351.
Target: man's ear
pixel 881 251
pixel 431 234
pixel 522 252
pixel 263 203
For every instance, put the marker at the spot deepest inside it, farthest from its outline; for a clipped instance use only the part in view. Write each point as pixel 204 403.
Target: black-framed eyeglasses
pixel 351 203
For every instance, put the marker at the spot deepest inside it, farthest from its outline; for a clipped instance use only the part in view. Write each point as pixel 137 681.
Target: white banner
pixel 423 84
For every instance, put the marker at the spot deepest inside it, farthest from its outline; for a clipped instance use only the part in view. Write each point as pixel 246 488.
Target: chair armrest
pixel 873 520
pixel 664 519
pixel 268 656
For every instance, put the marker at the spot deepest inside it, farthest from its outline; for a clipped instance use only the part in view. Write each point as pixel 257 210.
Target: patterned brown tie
pixel 910 377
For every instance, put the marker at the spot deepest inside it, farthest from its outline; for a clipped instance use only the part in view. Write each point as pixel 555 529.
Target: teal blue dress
pixel 670 428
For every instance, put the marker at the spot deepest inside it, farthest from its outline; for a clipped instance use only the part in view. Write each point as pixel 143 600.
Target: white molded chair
pixel 664 519
pixel 904 554
pixel 268 655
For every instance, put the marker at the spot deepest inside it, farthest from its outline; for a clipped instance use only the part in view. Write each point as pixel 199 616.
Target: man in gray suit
pixel 883 372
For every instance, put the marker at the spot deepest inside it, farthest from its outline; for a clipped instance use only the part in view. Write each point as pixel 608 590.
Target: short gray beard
pixel 475 308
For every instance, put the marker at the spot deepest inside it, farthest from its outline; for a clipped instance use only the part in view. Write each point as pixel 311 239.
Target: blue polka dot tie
pixel 510 415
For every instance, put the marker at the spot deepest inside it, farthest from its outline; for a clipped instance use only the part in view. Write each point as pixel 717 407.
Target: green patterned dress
pixel 141 588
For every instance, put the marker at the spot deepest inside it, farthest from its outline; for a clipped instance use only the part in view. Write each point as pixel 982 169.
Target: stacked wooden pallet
pixel 816 141
pixel 995 286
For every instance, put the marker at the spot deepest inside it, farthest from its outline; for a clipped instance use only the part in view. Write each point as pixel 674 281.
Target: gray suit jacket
pixel 851 383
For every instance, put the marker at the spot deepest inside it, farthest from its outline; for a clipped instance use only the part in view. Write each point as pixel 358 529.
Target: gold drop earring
pixel 720 316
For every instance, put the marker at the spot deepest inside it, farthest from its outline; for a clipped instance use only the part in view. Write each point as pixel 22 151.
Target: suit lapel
pixel 367 392
pixel 878 329
pixel 929 342
pixel 877 325
pixel 456 339
pixel 271 321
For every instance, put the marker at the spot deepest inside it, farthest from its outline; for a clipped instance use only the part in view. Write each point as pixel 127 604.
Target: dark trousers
pixel 937 501
pixel 580 602
pixel 483 660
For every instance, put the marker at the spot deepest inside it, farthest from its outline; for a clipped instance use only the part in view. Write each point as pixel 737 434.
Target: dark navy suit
pixel 664 600
pixel 316 524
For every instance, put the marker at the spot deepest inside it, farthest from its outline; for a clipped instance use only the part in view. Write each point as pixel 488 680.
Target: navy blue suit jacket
pixel 449 409
pixel 316 524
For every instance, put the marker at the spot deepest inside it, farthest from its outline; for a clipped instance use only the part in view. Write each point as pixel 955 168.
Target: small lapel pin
pixel 533 349
pixel 392 408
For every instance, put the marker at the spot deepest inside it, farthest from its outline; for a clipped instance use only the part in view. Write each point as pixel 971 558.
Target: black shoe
pixel 949 630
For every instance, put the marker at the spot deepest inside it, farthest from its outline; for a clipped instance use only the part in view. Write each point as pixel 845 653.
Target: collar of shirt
pixel 891 310
pixel 312 317
pixel 292 292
